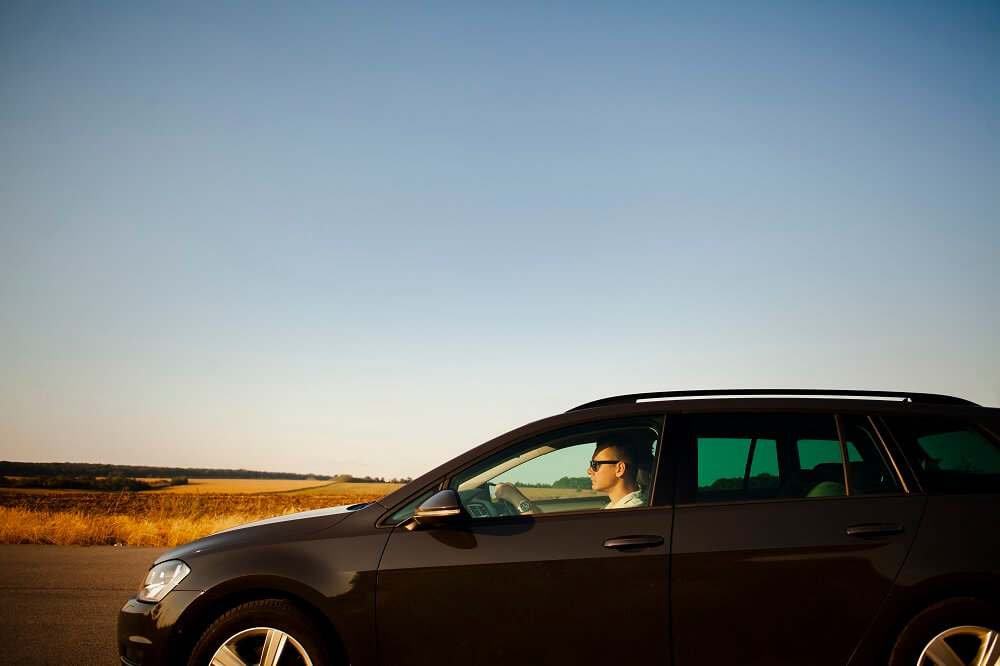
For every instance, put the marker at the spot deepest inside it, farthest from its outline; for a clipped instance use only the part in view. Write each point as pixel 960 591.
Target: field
pixel 242 486
pixel 165 517
pixel 354 487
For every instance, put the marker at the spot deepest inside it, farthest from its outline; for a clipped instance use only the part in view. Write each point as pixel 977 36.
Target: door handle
pixel 874 529
pixel 637 542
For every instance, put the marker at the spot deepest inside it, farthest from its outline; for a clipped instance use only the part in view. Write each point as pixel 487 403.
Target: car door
pixel 574 584
pixel 782 554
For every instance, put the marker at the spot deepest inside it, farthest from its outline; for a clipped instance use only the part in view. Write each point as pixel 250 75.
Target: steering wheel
pixel 480 505
pixel 480 508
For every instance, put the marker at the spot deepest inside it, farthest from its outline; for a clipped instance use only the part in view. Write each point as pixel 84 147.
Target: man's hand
pixel 509 493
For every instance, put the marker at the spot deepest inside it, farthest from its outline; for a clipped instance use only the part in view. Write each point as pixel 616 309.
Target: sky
pixel 345 237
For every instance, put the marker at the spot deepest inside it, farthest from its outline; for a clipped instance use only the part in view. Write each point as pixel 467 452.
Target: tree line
pixel 114 483
pixel 350 478
pixel 575 482
pixel 67 469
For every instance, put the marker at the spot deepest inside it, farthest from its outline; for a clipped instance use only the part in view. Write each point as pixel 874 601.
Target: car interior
pixel 550 471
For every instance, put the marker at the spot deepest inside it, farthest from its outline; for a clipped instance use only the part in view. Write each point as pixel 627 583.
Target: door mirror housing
pixel 438 509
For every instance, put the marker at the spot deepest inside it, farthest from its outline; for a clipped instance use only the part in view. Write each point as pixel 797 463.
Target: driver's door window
pixel 553 473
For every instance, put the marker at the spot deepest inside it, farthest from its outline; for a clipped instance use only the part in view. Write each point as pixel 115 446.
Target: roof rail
pixel 906 396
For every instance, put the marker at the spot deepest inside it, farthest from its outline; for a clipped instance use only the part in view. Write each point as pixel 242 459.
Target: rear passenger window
pixel 748 457
pixel 948 455
pixel 744 467
pixel 820 464
pixel 814 452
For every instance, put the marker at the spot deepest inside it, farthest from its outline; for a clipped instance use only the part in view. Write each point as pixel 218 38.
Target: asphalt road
pixel 59 604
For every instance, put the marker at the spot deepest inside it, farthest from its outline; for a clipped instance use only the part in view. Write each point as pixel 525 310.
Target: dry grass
pixel 143 519
pixel 76 528
pixel 242 486
pixel 350 488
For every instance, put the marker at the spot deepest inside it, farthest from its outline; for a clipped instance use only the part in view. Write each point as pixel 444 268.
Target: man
pixel 613 470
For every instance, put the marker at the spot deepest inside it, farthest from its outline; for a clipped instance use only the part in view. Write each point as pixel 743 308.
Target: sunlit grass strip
pixel 167 522
pixel 159 504
pixel 76 528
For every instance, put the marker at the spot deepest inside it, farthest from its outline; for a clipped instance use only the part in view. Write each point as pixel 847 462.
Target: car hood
pixel 267 530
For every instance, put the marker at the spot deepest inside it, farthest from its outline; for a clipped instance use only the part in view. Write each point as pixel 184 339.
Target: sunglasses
pixel 596 464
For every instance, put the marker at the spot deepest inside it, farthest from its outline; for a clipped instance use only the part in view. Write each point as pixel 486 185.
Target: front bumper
pixel 149 634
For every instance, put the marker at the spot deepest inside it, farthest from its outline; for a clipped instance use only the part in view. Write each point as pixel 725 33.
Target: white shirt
pixel 632 499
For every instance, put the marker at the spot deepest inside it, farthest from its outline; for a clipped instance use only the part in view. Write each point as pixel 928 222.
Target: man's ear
pixel 619 469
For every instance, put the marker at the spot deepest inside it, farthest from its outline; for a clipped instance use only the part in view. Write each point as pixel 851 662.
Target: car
pixel 752 526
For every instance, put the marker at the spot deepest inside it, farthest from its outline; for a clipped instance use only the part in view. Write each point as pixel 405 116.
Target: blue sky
pixel 364 237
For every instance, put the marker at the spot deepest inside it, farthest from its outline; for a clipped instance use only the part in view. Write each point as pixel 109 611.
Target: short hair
pixel 635 455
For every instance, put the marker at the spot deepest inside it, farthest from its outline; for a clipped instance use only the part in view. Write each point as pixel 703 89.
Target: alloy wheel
pixel 963 646
pixel 261 646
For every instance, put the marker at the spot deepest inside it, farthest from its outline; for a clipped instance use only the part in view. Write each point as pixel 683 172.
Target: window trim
pixel 843 454
pixel 889 452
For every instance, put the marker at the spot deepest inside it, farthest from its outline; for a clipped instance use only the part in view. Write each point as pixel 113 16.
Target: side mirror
pixel 437 509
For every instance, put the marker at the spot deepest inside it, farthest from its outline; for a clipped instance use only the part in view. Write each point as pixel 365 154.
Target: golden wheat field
pixel 350 488
pixel 242 486
pixel 157 518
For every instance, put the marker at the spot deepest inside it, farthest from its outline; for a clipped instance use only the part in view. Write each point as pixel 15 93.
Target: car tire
pixel 259 632
pixel 965 627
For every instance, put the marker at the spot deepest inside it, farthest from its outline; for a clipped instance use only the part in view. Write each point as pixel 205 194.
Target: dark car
pixel 769 527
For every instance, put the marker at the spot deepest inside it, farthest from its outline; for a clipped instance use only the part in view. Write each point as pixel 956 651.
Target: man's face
pixel 605 477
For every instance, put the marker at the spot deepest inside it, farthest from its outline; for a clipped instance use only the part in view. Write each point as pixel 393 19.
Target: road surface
pixel 59 604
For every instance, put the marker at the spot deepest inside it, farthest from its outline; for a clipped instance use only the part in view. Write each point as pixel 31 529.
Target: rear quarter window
pixel 949 455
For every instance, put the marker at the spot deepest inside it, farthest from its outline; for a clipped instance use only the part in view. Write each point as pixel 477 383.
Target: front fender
pixel 332 572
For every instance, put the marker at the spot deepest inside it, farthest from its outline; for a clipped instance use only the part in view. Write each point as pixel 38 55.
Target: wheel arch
pixel 237 592
pixel 936 591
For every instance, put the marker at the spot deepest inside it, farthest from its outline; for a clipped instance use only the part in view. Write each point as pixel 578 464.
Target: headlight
pixel 161 579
